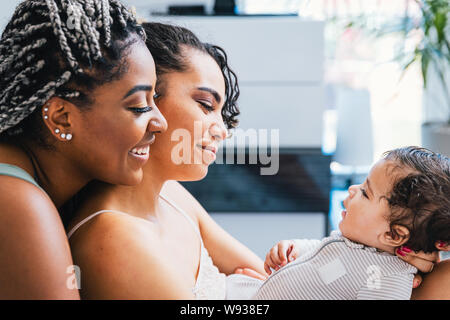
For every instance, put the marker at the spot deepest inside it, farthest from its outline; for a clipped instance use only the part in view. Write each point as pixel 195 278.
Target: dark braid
pixel 166 45
pixel 63 48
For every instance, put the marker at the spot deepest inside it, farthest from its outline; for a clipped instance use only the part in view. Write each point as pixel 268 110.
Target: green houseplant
pixel 432 51
pixel 427 26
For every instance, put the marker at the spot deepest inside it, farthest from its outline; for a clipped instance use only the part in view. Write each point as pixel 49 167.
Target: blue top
pixel 17 172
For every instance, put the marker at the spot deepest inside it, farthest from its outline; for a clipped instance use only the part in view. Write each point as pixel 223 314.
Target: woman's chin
pixel 194 172
pixel 132 178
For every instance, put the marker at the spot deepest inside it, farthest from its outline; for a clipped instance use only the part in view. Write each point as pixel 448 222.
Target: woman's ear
pixel 57 115
pixel 396 237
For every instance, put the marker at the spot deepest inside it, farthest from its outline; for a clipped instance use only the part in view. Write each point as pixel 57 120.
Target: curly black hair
pixel 166 43
pixel 420 200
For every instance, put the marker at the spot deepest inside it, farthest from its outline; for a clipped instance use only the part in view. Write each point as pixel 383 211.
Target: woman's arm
pixel 34 251
pixel 227 253
pixel 435 285
pixel 120 259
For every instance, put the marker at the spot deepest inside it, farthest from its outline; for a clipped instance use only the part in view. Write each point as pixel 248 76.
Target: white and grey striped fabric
pixel 334 268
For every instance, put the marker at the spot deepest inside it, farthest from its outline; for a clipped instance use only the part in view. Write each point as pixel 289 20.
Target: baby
pixel 404 204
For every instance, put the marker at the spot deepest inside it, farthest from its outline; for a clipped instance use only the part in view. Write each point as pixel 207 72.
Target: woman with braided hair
pixel 76 104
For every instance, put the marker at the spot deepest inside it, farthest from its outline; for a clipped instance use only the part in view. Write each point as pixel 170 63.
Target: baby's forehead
pixel 385 173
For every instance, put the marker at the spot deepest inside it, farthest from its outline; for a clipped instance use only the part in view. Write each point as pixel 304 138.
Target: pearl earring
pixel 45 111
pixel 67 136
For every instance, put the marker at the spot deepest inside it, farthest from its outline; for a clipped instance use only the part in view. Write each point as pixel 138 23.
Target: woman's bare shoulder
pixel 435 285
pixel 111 232
pixel 14 155
pixel 33 243
pixel 183 198
pixel 18 196
pixel 113 250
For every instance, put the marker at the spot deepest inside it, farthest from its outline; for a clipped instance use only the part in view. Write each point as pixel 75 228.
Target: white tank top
pixel 210 283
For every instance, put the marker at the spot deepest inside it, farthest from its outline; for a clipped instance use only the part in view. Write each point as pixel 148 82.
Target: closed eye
pixel 206 106
pixel 364 193
pixel 141 110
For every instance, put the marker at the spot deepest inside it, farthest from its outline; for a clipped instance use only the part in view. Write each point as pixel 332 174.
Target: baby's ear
pixel 396 237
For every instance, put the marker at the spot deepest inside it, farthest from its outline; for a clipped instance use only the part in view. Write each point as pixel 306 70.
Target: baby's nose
pixel 352 190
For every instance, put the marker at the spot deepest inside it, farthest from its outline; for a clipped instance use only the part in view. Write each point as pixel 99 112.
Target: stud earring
pixel 45 112
pixel 67 136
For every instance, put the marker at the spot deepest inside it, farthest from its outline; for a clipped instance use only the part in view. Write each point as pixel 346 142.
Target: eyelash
pixel 364 193
pixel 141 110
pixel 206 106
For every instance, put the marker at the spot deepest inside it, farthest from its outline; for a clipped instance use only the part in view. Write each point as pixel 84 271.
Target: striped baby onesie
pixel 334 268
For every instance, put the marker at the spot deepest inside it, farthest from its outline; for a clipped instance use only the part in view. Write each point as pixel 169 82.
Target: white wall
pixel 260 231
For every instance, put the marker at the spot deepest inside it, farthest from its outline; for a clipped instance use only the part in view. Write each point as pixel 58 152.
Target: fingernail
pixel 400 252
pixel 406 249
pixel 441 244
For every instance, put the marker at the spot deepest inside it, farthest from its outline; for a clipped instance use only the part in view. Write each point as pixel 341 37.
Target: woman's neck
pixel 141 200
pixel 56 174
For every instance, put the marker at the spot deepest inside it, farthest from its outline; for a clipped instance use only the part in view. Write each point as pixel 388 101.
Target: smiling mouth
pixel 208 148
pixel 143 150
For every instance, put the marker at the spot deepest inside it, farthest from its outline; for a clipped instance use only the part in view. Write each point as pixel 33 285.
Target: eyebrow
pixel 136 89
pixel 213 92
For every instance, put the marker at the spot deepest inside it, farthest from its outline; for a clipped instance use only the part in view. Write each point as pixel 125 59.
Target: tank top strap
pixel 184 214
pixel 79 224
pixel 17 172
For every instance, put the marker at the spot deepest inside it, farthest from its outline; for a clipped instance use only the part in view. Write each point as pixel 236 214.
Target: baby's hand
pixel 283 252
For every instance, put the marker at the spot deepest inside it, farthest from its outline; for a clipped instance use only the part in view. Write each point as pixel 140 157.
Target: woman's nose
pixel 219 131
pixel 157 122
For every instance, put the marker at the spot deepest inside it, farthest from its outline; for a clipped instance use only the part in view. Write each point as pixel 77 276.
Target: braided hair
pixel 166 46
pixel 63 48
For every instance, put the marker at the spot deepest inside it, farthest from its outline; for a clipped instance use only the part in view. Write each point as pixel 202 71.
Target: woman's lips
pixel 344 213
pixel 209 151
pixel 142 152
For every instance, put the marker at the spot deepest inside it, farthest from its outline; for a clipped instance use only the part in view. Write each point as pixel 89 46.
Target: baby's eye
pixel 364 193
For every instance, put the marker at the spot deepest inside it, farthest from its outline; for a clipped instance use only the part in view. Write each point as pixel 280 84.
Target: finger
pixel 252 273
pixel 238 271
pixel 283 247
pixel 421 264
pixel 293 254
pixel 442 246
pixel 432 256
pixel 267 264
pixel 274 256
pixel 417 280
pixel 267 269
pixel 270 263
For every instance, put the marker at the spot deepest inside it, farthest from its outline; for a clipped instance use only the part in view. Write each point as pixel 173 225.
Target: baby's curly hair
pixel 420 200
